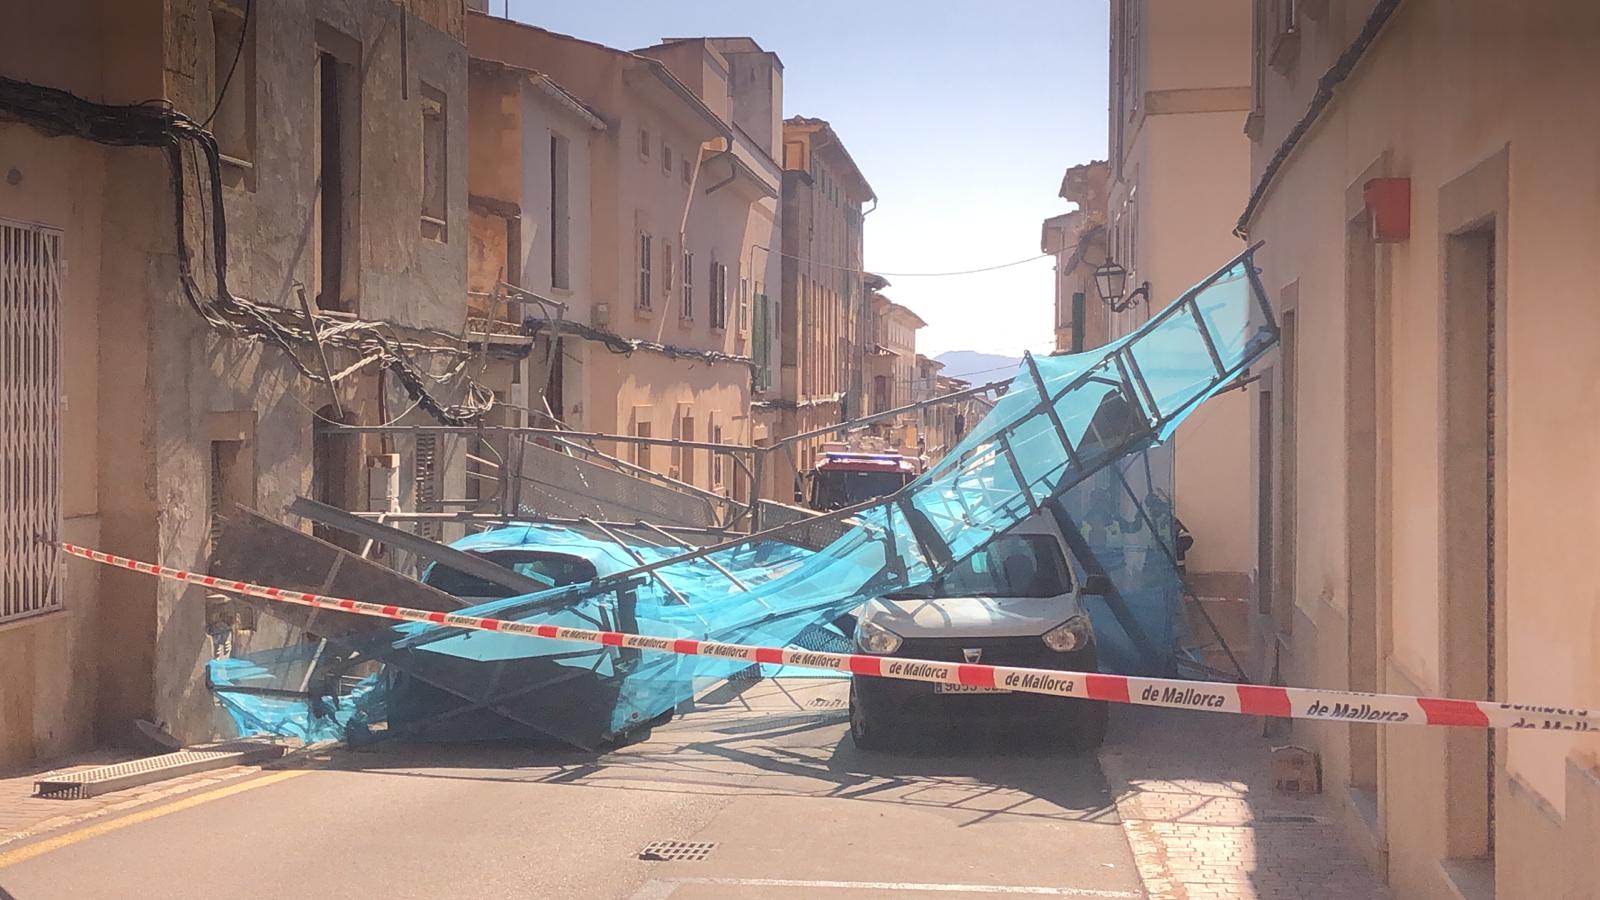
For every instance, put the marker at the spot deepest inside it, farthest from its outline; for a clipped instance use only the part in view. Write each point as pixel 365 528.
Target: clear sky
pixel 962 114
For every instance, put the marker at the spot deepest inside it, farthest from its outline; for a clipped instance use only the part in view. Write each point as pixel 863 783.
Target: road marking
pixel 23 854
pixel 661 888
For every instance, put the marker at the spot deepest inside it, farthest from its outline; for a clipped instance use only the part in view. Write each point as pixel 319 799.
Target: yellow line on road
pixel 29 851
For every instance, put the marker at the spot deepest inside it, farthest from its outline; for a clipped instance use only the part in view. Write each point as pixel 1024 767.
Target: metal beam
pixel 533 518
pixel 462 562
pixel 887 414
pixel 340 428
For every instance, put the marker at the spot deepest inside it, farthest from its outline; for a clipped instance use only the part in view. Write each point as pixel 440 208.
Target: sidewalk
pixel 24 816
pixel 1197 803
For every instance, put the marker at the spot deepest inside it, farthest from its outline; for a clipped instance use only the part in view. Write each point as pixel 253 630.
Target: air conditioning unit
pixel 600 315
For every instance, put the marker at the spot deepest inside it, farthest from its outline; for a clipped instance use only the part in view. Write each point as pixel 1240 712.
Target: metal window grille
pixel 425 480
pixel 215 506
pixel 30 418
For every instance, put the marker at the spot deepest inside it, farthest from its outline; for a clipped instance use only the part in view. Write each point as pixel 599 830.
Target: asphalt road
pixel 769 777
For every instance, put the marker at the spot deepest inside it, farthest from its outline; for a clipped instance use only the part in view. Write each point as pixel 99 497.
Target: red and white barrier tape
pixel 1245 699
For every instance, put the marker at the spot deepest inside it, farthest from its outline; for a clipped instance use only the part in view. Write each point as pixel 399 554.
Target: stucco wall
pixel 1172 201
pixel 148 386
pixel 1457 97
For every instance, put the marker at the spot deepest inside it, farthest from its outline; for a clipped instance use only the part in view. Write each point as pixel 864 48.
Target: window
pixel 716 458
pixel 668 261
pixel 1285 47
pixel 337 141
pixel 644 270
pixel 762 351
pixel 1258 69
pixel 666 159
pixel 560 214
pixel 233 87
pixel 434 164
pixel 1135 62
pixel 686 305
pixel 232 484
pixel 644 143
pixel 336 477
pixel 719 295
pixel 641 452
pixel 425 484
pixel 683 457
pixel 30 418
pixel 744 305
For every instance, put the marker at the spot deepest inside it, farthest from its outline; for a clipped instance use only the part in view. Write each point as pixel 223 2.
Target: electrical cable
pixel 157 124
pixel 864 271
pixel 238 53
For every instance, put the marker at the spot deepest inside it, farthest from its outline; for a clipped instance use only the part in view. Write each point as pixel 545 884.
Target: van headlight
pixel 875 638
pixel 1073 634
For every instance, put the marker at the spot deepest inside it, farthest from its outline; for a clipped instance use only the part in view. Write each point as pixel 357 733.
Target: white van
pixel 1014 603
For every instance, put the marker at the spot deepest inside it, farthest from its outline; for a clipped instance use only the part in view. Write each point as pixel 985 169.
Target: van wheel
pixel 1087 724
pixel 868 736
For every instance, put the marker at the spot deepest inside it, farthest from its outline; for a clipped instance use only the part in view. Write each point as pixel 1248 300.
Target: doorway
pixel 1469 494
pixel 1364 366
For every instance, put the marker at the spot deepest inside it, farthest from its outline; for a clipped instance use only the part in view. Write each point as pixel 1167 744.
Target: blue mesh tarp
pixel 284 692
pixel 1075 429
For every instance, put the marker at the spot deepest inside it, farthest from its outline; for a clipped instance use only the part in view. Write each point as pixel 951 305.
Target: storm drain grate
pixel 1288 820
pixel 677 851
pixel 827 703
pixel 105 779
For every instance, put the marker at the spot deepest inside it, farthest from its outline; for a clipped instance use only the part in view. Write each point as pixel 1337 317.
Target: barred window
pixel 30 419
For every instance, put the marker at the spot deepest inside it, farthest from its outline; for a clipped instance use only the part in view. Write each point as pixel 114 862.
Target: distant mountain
pixel 970 365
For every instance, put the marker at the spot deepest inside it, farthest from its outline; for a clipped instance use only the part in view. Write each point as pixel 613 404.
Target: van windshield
pixel 836 490
pixel 1013 565
pixel 556 569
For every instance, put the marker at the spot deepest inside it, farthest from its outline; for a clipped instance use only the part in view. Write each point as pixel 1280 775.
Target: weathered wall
pixel 59 670
pixel 632 192
pixel 149 387
pixel 1485 108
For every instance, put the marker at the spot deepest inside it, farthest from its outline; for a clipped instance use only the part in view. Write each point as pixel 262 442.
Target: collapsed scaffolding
pixel 1079 438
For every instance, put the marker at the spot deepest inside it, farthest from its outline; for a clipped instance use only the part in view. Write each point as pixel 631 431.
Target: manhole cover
pixel 677 851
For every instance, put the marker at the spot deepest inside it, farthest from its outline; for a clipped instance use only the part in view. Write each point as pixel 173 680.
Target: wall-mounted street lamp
pixel 1111 281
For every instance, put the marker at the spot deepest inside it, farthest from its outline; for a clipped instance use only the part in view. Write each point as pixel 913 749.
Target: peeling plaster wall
pixel 147 385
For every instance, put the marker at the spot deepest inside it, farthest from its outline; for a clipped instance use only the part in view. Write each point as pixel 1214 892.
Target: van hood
pixel 972 617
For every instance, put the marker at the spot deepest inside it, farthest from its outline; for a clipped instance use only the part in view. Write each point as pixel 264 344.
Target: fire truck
pixel 844 478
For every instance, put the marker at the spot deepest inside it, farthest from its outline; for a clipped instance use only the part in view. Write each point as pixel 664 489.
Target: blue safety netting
pixel 1077 437
pixel 256 694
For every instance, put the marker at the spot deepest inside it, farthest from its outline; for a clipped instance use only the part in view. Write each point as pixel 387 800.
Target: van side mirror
pixel 1098 585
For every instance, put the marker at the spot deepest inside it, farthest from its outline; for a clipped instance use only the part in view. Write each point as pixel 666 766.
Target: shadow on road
pixel 792 752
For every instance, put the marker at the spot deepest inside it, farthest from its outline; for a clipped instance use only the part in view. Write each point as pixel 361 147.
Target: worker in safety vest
pixel 1104 530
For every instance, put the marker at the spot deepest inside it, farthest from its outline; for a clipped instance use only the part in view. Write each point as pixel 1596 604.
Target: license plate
pixel 966 689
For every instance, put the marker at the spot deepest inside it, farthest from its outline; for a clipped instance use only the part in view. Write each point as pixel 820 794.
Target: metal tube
pixel 649 474
pixel 891 413
pixel 660 579
pixel 1140 400
pixel 1050 410
pixel 1016 472
pixel 533 518
pixel 1205 335
pixel 340 428
pixel 713 563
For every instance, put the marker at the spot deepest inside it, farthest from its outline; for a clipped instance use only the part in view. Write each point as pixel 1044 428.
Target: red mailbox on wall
pixel 1388 202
